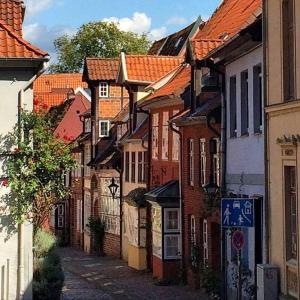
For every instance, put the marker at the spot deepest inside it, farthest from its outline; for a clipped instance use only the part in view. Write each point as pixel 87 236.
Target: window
pixel 205 242
pixel 193 230
pixel 216 163
pixel 165 136
pixel 288 49
pixel 127 164
pixel 175 141
pixel 60 221
pixel 232 104
pixel 78 218
pixel 191 161
pixel 87 159
pixel 60 210
pixel 146 169
pixel 202 162
pixel 244 103
pixel 141 167
pixel 257 99
pixel 103 128
pixel 291 215
pixel 103 90
pixel 132 166
pixel 155 136
pixel 87 125
pixel 172 246
pixel 87 210
pixel 172 223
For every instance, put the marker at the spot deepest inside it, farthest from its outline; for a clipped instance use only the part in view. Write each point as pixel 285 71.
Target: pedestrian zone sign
pixel 237 212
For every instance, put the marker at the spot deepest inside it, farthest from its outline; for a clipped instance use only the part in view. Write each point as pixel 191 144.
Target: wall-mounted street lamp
pixel 113 187
pixel 212 189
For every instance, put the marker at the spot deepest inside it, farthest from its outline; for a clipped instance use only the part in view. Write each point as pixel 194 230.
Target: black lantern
pixel 211 189
pixel 113 187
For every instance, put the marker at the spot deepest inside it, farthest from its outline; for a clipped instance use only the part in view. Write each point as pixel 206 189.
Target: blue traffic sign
pixel 237 212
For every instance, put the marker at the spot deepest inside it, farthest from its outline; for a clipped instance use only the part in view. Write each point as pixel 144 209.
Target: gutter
pixel 21 248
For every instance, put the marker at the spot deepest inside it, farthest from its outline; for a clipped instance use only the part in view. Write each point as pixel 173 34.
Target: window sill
pixel 292 263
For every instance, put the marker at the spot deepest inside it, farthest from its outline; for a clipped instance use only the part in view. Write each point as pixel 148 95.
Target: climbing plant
pixel 35 163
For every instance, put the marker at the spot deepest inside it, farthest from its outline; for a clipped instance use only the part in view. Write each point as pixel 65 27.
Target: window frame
pixel 166 211
pixel 244 117
pixel 191 161
pixel 133 167
pixel 166 256
pixel 108 128
pixel 104 94
pixel 155 136
pixel 165 136
pixel 203 162
pixel 233 106
pixel 257 99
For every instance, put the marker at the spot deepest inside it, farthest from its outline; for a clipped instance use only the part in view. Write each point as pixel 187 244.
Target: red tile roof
pixel 13 45
pixel 12 13
pixel 52 89
pixel 101 68
pixel 227 20
pixel 175 86
pixel 48 82
pixel 202 47
pixel 149 68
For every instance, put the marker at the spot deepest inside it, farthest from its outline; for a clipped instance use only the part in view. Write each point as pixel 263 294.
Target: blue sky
pixel 47 19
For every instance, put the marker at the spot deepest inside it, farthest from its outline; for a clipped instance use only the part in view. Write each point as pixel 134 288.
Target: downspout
pixel 20 285
pixel 181 207
pixel 266 257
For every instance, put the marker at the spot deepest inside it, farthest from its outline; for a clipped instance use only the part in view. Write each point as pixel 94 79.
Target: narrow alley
pixel 93 278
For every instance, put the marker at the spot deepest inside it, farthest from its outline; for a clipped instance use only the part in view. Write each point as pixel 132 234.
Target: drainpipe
pixel 20 284
pixel 266 257
pixel 181 207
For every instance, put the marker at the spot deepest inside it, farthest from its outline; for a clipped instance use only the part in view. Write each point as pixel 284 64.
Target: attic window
pixel 178 42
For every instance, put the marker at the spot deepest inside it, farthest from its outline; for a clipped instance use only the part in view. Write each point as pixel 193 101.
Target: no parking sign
pixel 238 240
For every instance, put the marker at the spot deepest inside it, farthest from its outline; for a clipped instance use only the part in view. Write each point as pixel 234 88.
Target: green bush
pixel 44 242
pixel 48 277
pixel 211 282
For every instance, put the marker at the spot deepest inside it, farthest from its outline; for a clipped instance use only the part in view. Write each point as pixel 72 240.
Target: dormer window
pixel 104 128
pixel 103 90
pixel 87 125
pixel 178 42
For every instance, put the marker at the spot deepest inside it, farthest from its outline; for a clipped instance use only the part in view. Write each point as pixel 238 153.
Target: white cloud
pixel 34 7
pixel 139 23
pixel 43 36
pixel 176 20
pixel 158 33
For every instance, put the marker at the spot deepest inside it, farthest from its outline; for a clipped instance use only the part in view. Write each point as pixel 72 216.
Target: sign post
pixel 238 213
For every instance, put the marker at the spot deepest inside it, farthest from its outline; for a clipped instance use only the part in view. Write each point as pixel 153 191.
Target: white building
pixel 243 141
pixel 20 64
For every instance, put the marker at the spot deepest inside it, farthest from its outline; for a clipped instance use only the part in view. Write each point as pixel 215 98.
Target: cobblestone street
pixel 94 278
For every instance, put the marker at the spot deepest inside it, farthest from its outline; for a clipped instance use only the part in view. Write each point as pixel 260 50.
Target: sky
pixel 46 20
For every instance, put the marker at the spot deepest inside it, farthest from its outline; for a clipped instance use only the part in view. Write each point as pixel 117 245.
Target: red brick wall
pixel 111 106
pixel 111 246
pixel 163 171
pixel 193 201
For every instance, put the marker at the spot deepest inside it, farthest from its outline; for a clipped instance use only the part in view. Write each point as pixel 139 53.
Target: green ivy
pixel 35 164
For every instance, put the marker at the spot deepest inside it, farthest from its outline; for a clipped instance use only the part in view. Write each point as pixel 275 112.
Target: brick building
pixel 108 98
pixel 164 184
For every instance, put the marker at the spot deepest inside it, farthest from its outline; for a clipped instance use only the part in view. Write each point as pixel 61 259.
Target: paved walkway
pixel 105 278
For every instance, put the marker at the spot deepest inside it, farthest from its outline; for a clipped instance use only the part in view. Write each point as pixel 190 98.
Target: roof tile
pixel 13 45
pixel 52 89
pixel 149 68
pixel 101 68
pixel 11 13
pixel 227 20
